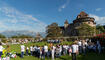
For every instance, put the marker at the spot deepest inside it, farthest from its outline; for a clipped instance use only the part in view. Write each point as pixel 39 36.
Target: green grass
pixel 88 56
pixel 94 56
pixel 16 47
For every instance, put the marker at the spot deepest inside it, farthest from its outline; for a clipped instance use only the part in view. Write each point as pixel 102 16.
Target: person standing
pixel 8 49
pixel 1 49
pixel 43 53
pixel 53 52
pixel 31 50
pixel 84 47
pixel 46 50
pixel 27 51
pixel 99 47
pixel 57 51
pixel 38 51
pixel 74 51
pixel 80 47
pixel 70 50
pixel 60 50
pixel 64 49
pixel 22 50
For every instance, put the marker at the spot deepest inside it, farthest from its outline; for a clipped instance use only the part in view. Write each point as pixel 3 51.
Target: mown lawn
pixel 88 56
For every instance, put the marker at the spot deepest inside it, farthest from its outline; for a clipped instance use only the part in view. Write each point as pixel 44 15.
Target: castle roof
pixel 82 15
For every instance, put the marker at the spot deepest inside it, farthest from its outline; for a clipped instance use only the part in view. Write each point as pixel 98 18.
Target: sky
pixel 35 15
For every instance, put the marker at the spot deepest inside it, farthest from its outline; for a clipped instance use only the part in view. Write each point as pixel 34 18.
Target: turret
pixel 66 24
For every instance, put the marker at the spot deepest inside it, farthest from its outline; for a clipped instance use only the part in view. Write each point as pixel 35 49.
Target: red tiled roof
pixel 83 13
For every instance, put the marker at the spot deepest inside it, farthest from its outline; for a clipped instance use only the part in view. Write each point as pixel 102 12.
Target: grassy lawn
pixel 88 56
pixel 16 47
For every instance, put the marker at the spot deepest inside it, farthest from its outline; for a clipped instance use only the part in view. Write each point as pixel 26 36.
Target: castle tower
pixel 84 18
pixel 82 15
pixel 66 24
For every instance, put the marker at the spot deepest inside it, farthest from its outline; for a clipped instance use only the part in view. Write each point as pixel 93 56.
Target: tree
pixel 4 40
pixel 100 29
pixel 86 30
pixel 2 36
pixel 22 36
pixel 14 37
pixel 53 30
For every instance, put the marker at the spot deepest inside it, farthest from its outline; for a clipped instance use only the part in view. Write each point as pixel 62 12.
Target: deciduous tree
pixel 54 30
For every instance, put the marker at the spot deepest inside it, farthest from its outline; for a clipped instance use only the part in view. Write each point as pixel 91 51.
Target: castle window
pixel 79 16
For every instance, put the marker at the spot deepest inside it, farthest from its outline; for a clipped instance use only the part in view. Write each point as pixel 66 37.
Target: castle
pixel 71 29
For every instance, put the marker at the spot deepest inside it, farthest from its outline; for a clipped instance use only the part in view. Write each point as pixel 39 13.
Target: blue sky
pixel 35 15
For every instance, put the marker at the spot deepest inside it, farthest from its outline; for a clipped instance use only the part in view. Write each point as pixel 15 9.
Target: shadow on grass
pixel 92 56
pixel 18 54
pixel 88 56
pixel 65 57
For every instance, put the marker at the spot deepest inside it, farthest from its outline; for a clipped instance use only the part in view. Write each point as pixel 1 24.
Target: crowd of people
pixel 52 50
pixel 55 51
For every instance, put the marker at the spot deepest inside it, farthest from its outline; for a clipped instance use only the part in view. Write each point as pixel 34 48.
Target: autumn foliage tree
pixel 53 30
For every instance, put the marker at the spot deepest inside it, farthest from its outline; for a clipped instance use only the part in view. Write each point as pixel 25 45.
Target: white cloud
pixel 15 17
pixel 2 25
pixel 98 19
pixel 63 6
pixel 98 9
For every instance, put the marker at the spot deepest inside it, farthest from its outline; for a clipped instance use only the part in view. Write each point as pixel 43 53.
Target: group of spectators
pixel 55 51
